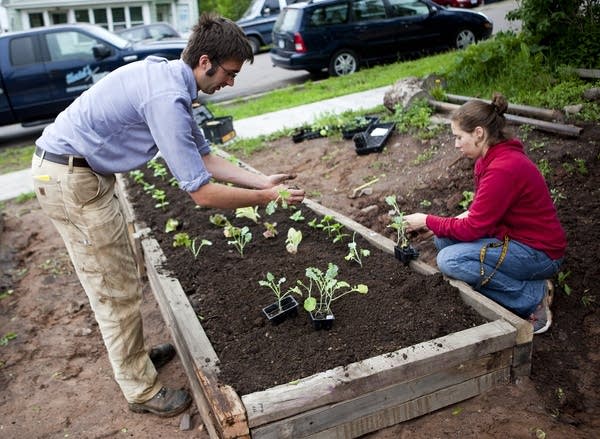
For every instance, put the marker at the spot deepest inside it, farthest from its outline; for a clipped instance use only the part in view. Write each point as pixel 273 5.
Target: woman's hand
pixel 415 221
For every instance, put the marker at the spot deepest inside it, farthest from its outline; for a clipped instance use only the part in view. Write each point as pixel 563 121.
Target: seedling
pixel 183 239
pixel 354 253
pixel 466 200
pixel 557 196
pixel 219 220
pixel 275 287
pixel 328 289
pixel 398 223
pixel 544 167
pixel 5 294
pixel 171 225
pixel 160 171
pixel 562 282
pixel 283 196
pixel 161 197
pixel 137 175
pixel 270 230
pixel 403 251
pixel 241 237
pixel 330 226
pixel 581 167
pixel 297 216
pixel 587 299
pixel 7 337
pixel 294 237
pixel 248 212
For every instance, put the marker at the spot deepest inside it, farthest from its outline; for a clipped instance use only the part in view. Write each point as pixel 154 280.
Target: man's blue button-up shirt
pixel 122 121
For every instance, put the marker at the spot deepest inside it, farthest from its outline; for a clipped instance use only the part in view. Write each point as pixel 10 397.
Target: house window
pixel 101 18
pixel 136 15
pixel 118 18
pixel 82 16
pixel 36 19
pixel 58 17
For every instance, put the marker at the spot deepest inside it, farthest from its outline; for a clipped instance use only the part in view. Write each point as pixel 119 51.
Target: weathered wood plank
pixel 588 73
pixel 220 407
pixel 403 365
pixel 392 405
pixel 490 310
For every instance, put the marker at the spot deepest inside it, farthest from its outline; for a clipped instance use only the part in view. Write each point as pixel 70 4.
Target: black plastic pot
pixel 406 254
pixel 276 315
pixel 321 321
pixel 302 134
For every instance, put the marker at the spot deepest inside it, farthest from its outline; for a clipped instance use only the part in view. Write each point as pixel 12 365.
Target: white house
pixel 111 14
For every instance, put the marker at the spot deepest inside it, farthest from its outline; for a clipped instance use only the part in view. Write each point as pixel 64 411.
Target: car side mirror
pixel 101 51
pixel 266 11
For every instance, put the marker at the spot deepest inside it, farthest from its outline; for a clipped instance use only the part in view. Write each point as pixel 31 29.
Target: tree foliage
pixel 232 9
pixel 565 31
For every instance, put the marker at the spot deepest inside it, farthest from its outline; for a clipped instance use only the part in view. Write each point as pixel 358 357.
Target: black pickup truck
pixel 44 69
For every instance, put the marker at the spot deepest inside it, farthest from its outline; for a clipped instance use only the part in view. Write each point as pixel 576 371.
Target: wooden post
pixel 557 128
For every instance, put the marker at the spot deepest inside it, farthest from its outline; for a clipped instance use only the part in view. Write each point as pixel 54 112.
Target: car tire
pixel 464 38
pixel 343 62
pixel 255 44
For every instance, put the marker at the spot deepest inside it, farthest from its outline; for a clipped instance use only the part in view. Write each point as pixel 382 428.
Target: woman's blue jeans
pixel 518 285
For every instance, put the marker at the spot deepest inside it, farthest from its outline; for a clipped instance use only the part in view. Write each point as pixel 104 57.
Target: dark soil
pixel 224 291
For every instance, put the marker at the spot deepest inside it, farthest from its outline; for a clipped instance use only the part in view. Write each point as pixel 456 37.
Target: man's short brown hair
pixel 219 38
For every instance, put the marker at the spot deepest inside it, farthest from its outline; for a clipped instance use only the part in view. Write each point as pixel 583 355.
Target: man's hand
pixel 296 195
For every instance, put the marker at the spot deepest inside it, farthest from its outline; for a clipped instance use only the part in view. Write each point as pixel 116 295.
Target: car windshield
pixel 111 38
pixel 254 9
pixel 287 20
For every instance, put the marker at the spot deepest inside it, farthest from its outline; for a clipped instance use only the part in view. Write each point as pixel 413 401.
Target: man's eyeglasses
pixel 229 73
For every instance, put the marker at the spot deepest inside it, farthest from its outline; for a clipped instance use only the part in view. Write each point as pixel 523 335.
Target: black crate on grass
pixel 215 129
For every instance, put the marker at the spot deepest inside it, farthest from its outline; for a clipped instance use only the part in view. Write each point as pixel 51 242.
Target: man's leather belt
pixel 61 159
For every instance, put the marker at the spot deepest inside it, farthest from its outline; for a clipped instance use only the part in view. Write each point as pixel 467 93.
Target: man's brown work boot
pixel 166 403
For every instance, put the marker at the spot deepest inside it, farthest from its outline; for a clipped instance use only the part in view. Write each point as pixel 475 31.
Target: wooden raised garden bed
pixel 346 401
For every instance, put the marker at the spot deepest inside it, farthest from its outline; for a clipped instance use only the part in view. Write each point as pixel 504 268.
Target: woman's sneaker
pixel 541 319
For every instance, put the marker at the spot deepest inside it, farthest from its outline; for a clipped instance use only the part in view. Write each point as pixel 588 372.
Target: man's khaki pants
pixel 83 207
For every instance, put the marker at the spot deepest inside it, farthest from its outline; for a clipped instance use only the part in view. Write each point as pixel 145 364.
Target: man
pixel 118 125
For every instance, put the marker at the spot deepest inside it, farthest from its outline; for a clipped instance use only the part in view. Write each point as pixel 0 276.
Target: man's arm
pixel 261 188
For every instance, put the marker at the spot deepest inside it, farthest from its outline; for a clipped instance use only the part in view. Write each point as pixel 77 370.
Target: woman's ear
pixel 480 134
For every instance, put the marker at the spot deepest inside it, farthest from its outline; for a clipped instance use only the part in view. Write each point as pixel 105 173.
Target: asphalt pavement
pixel 15 183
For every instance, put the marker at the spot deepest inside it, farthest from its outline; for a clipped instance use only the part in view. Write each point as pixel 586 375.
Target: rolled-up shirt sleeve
pixel 179 139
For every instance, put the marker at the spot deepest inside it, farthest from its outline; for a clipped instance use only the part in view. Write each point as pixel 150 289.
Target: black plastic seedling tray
pixel 374 138
pixel 348 132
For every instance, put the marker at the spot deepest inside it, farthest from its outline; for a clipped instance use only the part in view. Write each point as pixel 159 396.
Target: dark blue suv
pixel 340 35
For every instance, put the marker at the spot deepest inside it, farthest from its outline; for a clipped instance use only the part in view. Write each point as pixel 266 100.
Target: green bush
pixel 505 63
pixel 567 31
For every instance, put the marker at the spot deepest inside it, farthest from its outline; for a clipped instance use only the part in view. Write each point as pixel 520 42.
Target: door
pixel 71 67
pixel 372 29
pixel 414 31
pixel 25 79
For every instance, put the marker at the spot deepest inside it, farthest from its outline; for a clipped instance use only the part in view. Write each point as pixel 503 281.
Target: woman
pixel 509 241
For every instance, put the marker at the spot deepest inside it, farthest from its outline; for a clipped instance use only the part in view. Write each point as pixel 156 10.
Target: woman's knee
pixel 446 261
